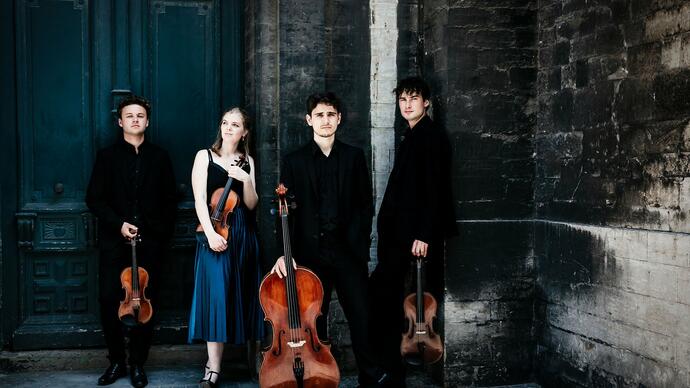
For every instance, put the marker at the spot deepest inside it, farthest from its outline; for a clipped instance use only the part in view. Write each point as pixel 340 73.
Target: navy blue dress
pixel 225 304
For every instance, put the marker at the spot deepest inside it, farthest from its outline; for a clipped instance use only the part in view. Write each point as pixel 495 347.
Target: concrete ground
pixel 158 377
pixel 170 377
pixel 168 366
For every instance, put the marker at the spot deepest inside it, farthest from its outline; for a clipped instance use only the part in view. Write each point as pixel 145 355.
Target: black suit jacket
pixel 114 198
pixel 418 202
pixel 355 202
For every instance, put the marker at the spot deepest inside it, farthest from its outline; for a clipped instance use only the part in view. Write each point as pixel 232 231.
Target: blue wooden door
pixel 75 60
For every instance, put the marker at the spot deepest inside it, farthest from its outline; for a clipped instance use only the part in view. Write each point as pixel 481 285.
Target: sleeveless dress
pixel 225 304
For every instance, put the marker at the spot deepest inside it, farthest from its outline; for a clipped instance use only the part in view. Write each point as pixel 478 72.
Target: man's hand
pixel 279 267
pixel 419 248
pixel 128 230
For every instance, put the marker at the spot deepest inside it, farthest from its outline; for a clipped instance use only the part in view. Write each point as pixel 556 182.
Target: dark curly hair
pixel 412 85
pixel 328 98
pixel 134 100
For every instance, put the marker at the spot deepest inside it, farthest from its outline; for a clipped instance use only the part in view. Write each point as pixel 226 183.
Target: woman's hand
pixel 237 173
pixel 216 242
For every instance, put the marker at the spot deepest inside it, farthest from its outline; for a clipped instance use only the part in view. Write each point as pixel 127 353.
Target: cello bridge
pixel 420 332
pixel 296 344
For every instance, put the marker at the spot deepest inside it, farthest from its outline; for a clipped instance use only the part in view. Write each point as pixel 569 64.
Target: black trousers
pixel 349 277
pixel 388 289
pixel 111 293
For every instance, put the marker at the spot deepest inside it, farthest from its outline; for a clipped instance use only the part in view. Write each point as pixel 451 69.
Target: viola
pixel 223 203
pixel 420 343
pixel 135 309
pixel 296 357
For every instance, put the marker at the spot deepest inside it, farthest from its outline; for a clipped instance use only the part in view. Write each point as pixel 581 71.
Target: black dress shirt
pixel 134 187
pixel 326 169
pixel 353 210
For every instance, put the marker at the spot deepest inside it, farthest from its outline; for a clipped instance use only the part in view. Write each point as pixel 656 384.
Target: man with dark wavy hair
pixel 330 183
pixel 132 192
pixel 415 217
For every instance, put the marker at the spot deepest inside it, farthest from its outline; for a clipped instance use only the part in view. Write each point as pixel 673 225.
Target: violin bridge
pixel 420 332
pixel 296 344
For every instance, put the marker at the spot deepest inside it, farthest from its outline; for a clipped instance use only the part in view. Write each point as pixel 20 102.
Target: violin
pixel 135 309
pixel 296 357
pixel 420 343
pixel 223 203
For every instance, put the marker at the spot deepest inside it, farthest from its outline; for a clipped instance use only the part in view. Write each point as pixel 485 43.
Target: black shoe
pixel 137 376
pixel 114 372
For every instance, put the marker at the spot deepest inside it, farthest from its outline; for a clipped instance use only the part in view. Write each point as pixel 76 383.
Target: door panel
pixel 183 78
pixel 75 57
pixel 54 90
pixel 56 264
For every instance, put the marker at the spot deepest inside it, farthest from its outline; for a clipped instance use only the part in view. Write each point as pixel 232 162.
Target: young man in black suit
pixel 332 224
pixel 415 217
pixel 132 192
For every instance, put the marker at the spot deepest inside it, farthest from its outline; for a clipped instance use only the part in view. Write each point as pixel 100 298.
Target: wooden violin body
pixel 223 203
pixel 221 222
pixel 296 358
pixel 420 343
pixel 135 309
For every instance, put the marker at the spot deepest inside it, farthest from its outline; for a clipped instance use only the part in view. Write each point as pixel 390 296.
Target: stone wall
pixel 480 59
pixel 570 128
pixel 611 193
pixel 614 306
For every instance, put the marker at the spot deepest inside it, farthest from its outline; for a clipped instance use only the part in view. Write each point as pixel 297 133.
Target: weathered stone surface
pixel 611 292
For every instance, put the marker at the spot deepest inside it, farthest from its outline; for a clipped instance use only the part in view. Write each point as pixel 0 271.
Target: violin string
pixel 295 300
pixel 288 288
pixel 292 286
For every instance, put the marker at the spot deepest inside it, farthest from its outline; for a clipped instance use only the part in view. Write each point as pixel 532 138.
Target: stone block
pixel 669 249
pixel 644 343
pixel 465 312
pixel 382 115
pixel 626 243
pixel 684 290
pixel 634 101
pixel 561 53
pixel 668 22
pixel 381 91
pixel 523 78
pixel 609 40
pixel 575 354
pixel 672 91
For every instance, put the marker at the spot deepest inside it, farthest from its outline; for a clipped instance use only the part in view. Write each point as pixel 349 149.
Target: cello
pixel 223 203
pixel 420 343
pixel 135 308
pixel 296 358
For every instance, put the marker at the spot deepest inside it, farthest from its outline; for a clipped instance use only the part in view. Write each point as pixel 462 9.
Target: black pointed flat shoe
pixel 207 382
